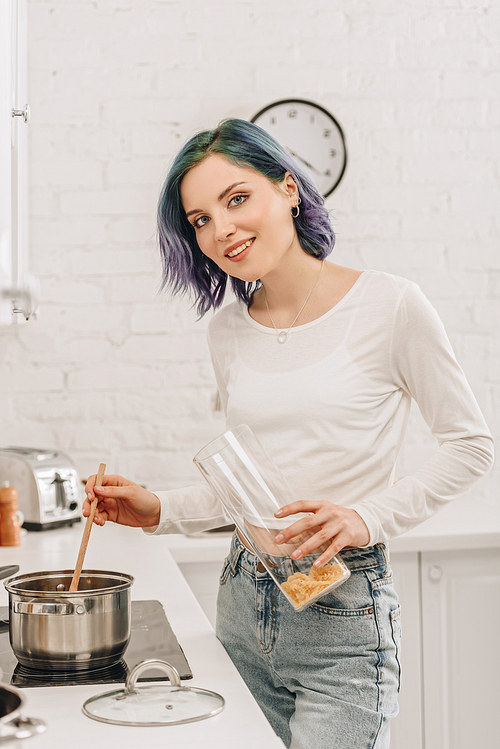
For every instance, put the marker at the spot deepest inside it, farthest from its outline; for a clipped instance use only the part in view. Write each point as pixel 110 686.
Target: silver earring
pixel 294 215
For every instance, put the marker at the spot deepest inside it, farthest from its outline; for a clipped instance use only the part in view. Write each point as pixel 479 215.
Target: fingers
pixel 305 526
pixel 343 539
pixel 86 509
pixel 89 486
pixel 87 501
pixel 100 518
pixel 335 544
pixel 317 542
pixel 117 492
pixel 91 496
pixel 108 482
pixel 102 494
pixel 89 493
pixel 332 551
pixel 331 526
pixel 301 505
pixel 122 501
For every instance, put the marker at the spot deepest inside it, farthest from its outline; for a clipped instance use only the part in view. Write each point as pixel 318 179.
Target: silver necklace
pixel 283 335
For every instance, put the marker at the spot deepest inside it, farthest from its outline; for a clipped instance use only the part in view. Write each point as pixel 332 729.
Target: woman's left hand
pixel 338 526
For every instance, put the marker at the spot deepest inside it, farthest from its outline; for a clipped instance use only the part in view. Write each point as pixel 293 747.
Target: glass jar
pixel 251 488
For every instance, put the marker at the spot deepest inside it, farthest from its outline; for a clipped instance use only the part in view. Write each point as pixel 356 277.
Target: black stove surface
pixel 151 637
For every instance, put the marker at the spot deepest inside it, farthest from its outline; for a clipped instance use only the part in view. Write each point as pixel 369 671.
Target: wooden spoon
pixel 86 532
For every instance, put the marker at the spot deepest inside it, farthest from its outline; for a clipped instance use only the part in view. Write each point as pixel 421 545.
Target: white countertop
pixel 149 560
pixel 463 524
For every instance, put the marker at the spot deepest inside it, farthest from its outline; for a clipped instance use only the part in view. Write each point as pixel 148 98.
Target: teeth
pixel 240 248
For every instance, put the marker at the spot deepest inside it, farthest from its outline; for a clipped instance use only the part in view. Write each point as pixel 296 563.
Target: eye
pixel 201 221
pixel 238 199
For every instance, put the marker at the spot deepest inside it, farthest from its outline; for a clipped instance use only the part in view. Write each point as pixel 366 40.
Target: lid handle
pixel 171 672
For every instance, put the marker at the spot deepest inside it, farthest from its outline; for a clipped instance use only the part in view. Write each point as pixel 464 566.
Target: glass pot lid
pixel 156 704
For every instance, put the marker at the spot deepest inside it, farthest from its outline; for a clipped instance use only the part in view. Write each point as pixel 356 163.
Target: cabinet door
pixel 406 729
pixel 5 162
pixel 13 156
pixel 461 651
pixel 203 579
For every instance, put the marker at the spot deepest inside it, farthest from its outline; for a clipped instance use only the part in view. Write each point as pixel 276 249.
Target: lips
pixel 238 251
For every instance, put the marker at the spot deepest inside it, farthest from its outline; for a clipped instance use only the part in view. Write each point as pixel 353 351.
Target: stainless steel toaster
pixel 49 489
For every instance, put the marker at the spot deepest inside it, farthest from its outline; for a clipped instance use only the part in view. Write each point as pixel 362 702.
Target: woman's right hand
pixel 122 502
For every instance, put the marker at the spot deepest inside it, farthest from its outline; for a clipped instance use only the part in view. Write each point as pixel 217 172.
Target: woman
pixel 322 362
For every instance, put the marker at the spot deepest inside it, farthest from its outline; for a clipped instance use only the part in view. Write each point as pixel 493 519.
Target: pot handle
pixel 8 570
pixel 32 607
pixel 132 677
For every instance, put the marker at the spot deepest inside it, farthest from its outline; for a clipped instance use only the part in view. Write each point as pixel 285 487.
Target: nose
pixel 223 228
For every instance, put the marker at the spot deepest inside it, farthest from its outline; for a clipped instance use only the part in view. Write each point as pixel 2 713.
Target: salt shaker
pixel 10 532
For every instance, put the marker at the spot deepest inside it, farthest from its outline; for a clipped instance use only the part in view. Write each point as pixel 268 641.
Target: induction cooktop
pixel 151 637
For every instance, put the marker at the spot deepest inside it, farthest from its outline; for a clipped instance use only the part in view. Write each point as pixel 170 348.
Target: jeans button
pixel 260 567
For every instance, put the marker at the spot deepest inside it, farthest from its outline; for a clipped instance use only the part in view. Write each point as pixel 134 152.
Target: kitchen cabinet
pixel 14 293
pixel 450 603
pixel 5 161
pixel 461 651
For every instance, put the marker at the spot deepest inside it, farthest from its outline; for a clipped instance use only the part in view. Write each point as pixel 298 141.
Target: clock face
pixel 313 137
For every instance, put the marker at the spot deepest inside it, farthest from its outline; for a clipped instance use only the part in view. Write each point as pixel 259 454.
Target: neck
pixel 287 287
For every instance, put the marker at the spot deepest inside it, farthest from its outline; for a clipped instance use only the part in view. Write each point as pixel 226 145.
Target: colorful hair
pixel 185 267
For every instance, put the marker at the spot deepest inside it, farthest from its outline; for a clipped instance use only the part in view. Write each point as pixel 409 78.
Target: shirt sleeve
pixel 188 510
pixel 424 365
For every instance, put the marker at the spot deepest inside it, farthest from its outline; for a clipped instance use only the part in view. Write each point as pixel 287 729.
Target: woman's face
pixel 242 219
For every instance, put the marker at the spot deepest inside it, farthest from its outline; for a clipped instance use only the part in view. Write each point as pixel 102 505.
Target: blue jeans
pixel 326 677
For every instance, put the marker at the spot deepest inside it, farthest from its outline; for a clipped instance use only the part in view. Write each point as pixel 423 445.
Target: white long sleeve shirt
pixel 331 407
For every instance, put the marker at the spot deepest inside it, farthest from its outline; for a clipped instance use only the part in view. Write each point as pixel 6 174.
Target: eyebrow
pixel 221 197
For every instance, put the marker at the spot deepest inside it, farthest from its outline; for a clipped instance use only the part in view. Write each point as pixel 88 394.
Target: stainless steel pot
pixel 12 723
pixel 51 628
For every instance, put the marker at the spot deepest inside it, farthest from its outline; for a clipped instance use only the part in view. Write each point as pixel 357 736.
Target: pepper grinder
pixel 10 532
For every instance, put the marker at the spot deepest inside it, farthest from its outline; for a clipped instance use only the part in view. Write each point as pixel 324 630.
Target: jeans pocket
pixel 395 617
pixel 330 608
pixel 353 598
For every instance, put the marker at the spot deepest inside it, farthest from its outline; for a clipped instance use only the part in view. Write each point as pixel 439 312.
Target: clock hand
pixel 304 161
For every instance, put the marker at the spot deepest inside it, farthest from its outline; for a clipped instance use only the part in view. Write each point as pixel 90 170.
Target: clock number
pixel 292 113
pixel 273 120
pixel 327 132
pixel 333 152
pixel 327 172
pixel 311 118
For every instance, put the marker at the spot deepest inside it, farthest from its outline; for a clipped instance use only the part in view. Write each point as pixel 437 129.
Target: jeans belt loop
pixel 235 557
pixel 383 548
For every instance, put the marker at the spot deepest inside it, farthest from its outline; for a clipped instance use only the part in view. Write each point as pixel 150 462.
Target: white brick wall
pixel 113 372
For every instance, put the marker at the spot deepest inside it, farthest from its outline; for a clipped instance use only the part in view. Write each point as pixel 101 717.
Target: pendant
pixel 282 337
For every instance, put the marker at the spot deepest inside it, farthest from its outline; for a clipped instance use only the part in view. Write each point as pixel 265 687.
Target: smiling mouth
pixel 241 248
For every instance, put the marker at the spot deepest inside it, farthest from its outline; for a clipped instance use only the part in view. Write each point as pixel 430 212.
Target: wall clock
pixel 312 135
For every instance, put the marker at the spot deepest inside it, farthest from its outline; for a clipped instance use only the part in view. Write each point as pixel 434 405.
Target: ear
pixel 290 187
